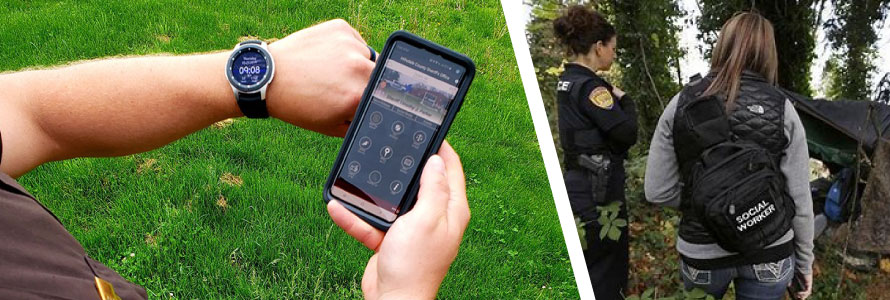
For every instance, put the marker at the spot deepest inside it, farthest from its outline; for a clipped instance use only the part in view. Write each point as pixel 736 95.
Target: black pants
pixel 607 260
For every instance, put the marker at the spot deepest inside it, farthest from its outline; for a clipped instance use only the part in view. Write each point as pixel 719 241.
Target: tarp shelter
pixel 835 130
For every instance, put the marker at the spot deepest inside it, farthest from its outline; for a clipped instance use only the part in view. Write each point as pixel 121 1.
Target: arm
pixel 662 179
pixel 122 106
pixel 618 122
pixel 625 134
pixel 795 167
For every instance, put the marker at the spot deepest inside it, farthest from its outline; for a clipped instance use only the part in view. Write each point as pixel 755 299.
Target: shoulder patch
pixel 563 86
pixel 602 98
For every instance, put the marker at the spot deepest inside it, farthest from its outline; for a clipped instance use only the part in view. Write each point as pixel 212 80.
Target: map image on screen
pixel 415 92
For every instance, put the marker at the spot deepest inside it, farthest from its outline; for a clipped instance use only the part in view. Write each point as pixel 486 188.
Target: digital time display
pixel 249 67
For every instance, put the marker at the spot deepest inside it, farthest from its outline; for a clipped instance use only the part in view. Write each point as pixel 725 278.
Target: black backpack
pixel 737 189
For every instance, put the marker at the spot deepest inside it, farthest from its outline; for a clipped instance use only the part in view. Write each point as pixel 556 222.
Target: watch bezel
pixel 270 68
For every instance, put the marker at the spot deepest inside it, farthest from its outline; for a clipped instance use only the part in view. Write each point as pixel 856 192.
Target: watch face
pixel 249 66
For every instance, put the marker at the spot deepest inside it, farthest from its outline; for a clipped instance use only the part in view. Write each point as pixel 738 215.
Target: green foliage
pixel 852 35
pixel 648 56
pixel 793 22
pixel 194 235
pixel 547 56
pixel 610 222
pixel 582 233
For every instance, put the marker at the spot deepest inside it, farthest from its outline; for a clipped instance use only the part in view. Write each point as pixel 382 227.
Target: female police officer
pixel 597 125
pixel 755 113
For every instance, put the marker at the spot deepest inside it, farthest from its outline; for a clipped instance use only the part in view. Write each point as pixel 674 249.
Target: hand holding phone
pixel 800 286
pixel 411 260
pixel 414 93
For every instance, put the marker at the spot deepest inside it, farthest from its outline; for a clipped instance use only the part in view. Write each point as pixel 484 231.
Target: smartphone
pixel 798 284
pixel 412 97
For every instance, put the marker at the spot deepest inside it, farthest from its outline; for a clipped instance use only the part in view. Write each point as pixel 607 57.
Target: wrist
pixel 273 95
pixel 214 89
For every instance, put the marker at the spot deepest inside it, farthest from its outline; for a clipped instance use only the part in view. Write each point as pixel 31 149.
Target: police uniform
pixel 593 122
pixel 39 259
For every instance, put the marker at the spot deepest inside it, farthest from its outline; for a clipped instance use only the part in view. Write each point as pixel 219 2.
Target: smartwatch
pixel 250 69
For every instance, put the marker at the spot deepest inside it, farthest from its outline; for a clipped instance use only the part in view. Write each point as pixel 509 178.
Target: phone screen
pixel 409 101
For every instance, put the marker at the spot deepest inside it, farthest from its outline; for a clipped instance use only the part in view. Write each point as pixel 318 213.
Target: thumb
pixel 432 198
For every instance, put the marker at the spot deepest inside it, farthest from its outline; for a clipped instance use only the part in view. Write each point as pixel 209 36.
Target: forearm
pixel 112 107
pixel 624 135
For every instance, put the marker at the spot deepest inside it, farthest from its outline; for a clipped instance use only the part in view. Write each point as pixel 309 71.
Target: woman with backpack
pixel 597 125
pixel 730 152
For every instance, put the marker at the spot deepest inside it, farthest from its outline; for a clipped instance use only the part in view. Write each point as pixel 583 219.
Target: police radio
pixel 414 93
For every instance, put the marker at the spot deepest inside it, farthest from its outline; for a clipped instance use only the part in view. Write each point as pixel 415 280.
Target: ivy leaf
pixel 614 233
pixel 604 231
pixel 603 219
pixel 619 222
pixel 697 294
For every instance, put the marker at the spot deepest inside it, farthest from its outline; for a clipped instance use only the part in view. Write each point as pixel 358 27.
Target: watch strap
pixel 252 105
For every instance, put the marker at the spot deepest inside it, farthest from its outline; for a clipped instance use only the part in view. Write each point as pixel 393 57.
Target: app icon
pixel 407 162
pixel 385 152
pixel 374 177
pixel 395 187
pixel 364 143
pixel 398 127
pixel 376 118
pixel 419 137
pixel 353 168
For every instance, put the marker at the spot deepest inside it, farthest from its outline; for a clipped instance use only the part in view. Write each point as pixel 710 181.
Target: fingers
pixel 354 32
pixel 432 198
pixel 808 280
pixel 354 226
pixel 458 207
pixel 369 279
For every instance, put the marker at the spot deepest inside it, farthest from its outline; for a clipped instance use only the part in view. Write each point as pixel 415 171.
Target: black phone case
pixel 798 284
pixel 435 142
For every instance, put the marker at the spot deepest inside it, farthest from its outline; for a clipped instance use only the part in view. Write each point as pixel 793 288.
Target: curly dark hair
pixel 580 27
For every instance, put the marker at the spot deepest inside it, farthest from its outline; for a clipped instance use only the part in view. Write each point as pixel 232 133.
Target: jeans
pixel 759 281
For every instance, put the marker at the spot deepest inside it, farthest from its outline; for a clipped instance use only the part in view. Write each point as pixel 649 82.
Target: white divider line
pixel 513 10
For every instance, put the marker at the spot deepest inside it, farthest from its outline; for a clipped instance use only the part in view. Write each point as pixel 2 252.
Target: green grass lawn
pixel 236 211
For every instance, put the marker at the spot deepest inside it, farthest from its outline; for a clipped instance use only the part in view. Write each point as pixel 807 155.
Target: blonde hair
pixel 746 42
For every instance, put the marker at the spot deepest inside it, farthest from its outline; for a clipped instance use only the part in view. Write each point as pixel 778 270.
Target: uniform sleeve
pixel 662 179
pixel 624 136
pixel 795 167
pixel 619 124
